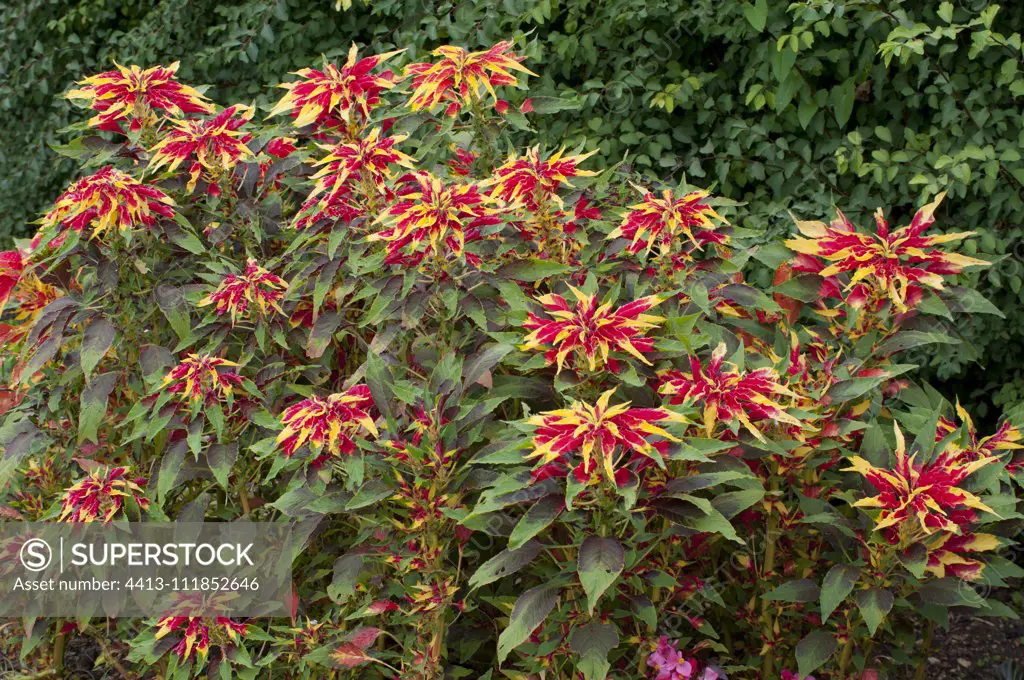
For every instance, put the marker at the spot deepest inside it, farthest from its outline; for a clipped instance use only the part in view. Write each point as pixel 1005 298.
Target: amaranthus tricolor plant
pixel 526 424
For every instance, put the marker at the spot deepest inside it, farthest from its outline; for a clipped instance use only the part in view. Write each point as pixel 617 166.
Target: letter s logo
pixel 35 554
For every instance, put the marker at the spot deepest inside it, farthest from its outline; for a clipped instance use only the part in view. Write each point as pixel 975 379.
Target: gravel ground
pixel 974 648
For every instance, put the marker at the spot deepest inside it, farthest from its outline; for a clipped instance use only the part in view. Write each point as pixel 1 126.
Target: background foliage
pixel 784 106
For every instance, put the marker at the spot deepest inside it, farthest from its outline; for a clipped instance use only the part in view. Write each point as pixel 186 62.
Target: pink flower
pixel 789 675
pixel 669 662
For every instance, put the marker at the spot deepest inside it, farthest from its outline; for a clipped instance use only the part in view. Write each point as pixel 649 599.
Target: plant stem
pixel 58 649
pixel 243 498
pixel 771 528
pixel 112 659
pixel 926 648
pixel 844 659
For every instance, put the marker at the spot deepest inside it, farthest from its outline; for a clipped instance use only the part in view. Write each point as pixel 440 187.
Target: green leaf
pixel 950 592
pixel 530 610
pixel 187 240
pixel 592 643
pixel 531 270
pixel 194 438
pixel 838 583
pixel 715 521
pixel 221 458
pixel 874 604
pixel 915 559
pixel 842 100
pixel 378 377
pixel 370 493
pixel 748 296
pixel 94 406
pixel 814 650
pixel 802 590
pixel 99 336
pixel 504 563
pixel 803 287
pixel 705 480
pixel 482 362
pixel 345 575
pixel 789 87
pixel 969 301
pixel 320 336
pixel 44 352
pixel 643 609
pixel 910 339
pixel 757 14
pixel 600 562
pixel 513 296
pixel 782 63
pixel 545 105
pixel 732 503
pixel 805 112
pixel 852 388
pixel 170 466
pixel 540 515
pixel 382 303
pixel 171 301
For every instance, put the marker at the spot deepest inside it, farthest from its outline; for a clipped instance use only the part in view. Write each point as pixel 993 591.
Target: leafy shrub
pixel 529 414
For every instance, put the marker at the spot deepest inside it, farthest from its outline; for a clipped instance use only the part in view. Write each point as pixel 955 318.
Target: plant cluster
pixel 530 415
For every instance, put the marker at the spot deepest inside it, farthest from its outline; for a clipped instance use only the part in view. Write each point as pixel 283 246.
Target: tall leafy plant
pixel 529 414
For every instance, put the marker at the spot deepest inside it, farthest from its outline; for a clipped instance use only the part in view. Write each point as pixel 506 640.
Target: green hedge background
pixel 784 106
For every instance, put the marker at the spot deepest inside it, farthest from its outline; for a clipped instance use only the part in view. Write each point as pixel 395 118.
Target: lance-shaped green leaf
pixel 814 650
pixel 591 643
pixel 838 583
pixel 99 336
pixel 915 559
pixel 910 339
pixel 320 336
pixel 170 467
pixel 346 574
pixel 950 592
pixel 802 590
pixel 536 519
pixel 874 605
pixel 370 493
pixel 601 560
pixel 530 610
pixel 482 362
pixel 171 301
pixel 533 269
pixel 93 405
pixel 504 563
pixel 221 457
pixel 378 379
